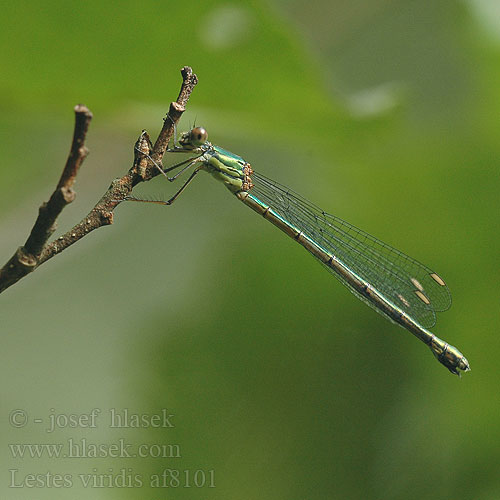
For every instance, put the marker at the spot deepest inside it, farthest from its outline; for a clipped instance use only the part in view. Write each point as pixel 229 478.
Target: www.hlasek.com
pixel 82 448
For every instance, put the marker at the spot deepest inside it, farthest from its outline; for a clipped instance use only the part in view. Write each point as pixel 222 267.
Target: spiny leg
pixel 171 200
pixel 189 162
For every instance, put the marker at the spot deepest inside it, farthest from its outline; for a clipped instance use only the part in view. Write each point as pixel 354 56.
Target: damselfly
pixel 397 286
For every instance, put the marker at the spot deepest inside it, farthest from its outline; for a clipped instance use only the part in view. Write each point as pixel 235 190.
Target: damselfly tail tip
pixel 464 366
pixel 449 356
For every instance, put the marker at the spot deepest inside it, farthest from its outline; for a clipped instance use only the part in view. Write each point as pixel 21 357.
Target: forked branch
pixel 37 250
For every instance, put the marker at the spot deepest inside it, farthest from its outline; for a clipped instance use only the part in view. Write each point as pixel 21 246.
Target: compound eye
pixel 198 136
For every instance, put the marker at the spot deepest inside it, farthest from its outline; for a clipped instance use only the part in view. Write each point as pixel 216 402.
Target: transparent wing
pixel 408 284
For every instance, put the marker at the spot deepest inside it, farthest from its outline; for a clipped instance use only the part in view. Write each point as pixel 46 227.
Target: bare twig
pixel 36 251
pixel 45 224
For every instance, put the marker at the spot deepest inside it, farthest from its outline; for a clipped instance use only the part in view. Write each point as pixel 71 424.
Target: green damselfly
pixel 397 286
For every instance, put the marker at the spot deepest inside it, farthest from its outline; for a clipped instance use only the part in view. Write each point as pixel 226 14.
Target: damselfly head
pixel 195 138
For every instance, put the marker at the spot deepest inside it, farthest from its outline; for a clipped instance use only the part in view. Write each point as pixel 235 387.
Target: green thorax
pixel 225 167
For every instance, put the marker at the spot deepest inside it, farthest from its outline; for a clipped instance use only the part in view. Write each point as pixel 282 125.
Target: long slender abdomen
pixel 447 355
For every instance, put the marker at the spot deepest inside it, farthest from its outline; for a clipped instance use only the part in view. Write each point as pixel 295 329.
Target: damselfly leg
pixel 186 164
pixel 176 195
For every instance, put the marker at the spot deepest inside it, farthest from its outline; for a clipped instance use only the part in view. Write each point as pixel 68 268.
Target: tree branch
pixel 36 251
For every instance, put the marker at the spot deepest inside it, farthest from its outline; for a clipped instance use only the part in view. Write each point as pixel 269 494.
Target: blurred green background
pixel 385 113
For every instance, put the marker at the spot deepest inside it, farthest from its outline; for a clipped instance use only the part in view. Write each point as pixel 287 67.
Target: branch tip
pixel 82 109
